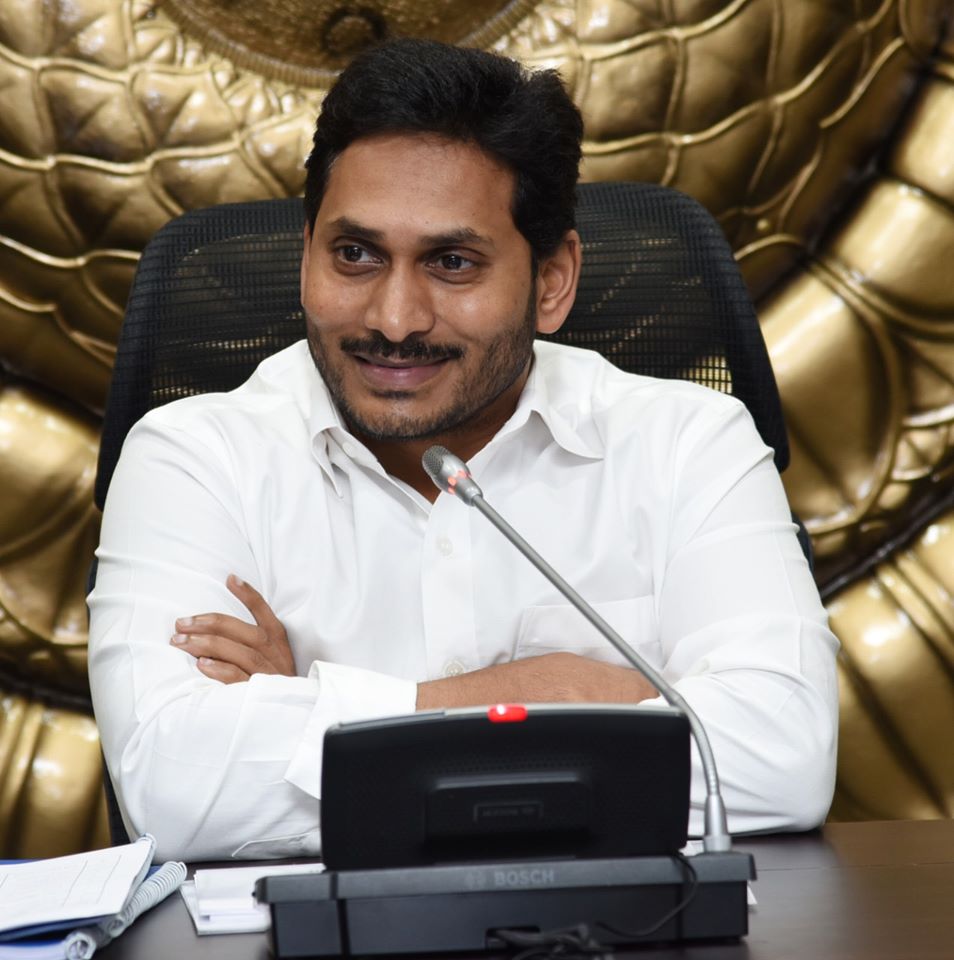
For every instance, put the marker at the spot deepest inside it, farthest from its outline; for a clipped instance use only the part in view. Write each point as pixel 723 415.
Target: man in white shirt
pixel 275 560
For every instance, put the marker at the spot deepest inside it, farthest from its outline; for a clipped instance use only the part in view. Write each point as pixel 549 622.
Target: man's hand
pixel 553 678
pixel 231 650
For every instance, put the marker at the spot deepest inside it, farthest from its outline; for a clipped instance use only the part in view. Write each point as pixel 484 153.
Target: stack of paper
pixel 221 900
pixel 69 906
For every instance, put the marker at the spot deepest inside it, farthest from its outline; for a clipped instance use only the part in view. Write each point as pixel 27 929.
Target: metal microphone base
pixel 438 909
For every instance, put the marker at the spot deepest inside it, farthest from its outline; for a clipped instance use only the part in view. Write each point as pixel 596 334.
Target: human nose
pixel 399 306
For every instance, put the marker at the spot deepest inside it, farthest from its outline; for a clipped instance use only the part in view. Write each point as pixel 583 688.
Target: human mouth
pixel 395 373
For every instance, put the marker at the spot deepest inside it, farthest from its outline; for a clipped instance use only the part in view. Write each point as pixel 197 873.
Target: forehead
pixel 420 184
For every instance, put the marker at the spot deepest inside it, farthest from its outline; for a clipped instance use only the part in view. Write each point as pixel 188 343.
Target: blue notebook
pixel 68 907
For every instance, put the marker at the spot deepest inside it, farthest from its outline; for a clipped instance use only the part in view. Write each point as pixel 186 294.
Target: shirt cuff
pixel 344 694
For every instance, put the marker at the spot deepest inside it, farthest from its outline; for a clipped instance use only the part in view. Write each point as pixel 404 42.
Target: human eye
pixel 453 263
pixel 354 255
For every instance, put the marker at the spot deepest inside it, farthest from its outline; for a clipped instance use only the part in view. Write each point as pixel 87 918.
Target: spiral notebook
pixel 67 907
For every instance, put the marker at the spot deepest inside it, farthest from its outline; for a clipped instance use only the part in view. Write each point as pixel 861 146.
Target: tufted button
pixel 453 668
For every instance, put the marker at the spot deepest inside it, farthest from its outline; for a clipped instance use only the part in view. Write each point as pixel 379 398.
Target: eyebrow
pixel 446 238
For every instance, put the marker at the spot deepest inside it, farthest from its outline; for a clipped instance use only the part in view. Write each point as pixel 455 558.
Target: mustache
pixel 413 348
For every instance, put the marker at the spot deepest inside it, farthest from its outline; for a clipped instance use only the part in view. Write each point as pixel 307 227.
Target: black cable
pixel 692 880
pixel 568 943
pixel 578 943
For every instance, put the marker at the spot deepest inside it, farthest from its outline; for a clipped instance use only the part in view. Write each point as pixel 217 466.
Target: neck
pixel 402 460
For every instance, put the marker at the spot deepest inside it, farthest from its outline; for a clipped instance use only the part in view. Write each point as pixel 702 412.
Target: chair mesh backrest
pixel 217 290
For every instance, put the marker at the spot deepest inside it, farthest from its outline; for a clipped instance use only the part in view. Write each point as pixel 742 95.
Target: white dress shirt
pixel 656 499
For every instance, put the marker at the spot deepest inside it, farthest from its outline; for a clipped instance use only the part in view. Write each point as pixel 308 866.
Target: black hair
pixel 524 119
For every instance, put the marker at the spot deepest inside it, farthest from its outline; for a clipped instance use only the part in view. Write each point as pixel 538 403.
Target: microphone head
pixel 450 474
pixel 433 463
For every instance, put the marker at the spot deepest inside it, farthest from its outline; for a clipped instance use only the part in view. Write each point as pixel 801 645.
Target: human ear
pixel 557 277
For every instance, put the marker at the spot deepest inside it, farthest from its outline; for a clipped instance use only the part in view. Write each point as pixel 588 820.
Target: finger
pixel 263 654
pixel 276 648
pixel 255 602
pixel 221 671
pixel 224 649
pixel 223 625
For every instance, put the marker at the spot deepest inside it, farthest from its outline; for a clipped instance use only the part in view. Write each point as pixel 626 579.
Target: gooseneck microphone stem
pixel 450 474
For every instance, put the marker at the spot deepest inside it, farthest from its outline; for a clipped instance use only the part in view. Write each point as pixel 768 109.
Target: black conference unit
pixel 438 909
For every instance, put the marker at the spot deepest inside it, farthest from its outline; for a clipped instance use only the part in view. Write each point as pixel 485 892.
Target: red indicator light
pixel 507 712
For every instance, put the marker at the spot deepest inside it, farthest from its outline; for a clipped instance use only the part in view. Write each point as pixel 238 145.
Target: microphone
pixel 451 475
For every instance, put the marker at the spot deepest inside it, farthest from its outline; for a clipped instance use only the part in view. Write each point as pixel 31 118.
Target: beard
pixel 501 362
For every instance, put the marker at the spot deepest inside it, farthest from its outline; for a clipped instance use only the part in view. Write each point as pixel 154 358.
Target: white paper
pixel 77 887
pixel 220 900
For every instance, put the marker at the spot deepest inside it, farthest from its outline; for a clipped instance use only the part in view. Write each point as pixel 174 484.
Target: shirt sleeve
pixel 743 633
pixel 211 770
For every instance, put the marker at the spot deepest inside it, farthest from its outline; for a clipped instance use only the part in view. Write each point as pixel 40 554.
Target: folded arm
pixel 742 633
pixel 211 768
pixel 215 765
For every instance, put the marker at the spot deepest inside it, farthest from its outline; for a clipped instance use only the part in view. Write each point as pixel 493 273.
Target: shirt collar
pixel 552 393
pixel 325 425
pixel 561 400
pixel 324 414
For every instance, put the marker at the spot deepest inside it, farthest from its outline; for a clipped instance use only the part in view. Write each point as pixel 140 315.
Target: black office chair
pixel 217 291
pixel 660 294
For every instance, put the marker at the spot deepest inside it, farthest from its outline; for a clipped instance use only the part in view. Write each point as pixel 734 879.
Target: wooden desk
pixel 853 891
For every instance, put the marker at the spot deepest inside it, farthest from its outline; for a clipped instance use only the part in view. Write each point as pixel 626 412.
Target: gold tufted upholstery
pixel 896 624
pixel 51 797
pixel 819 133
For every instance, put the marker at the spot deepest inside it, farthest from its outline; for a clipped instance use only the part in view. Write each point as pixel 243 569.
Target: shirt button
pixel 453 668
pixel 445 547
pixel 349 448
